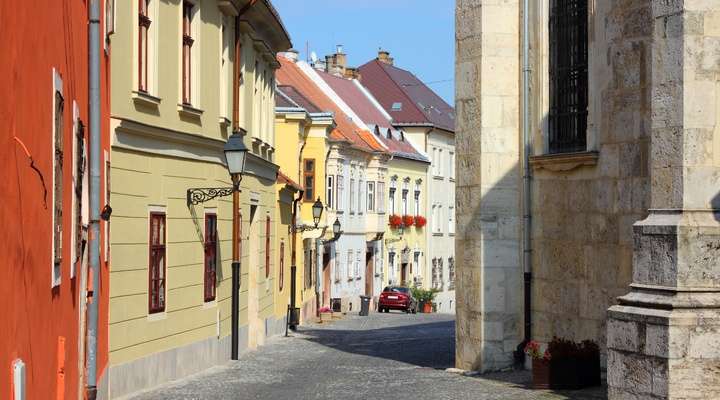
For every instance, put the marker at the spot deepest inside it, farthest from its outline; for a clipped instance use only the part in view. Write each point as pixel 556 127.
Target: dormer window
pixel 389 134
pixel 397 106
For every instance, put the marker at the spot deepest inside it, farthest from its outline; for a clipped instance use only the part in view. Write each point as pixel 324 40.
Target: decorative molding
pixel 189 111
pixel 146 99
pixel 565 161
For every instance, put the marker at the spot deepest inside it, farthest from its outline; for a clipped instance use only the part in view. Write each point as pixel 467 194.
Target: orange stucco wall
pixel 37 36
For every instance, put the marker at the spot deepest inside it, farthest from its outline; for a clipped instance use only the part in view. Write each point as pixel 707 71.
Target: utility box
pixel 364 306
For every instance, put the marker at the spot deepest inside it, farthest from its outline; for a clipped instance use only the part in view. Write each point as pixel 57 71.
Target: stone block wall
pixel 489 273
pixel 584 206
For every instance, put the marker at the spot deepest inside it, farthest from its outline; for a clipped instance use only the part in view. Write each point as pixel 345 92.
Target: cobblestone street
pixel 392 355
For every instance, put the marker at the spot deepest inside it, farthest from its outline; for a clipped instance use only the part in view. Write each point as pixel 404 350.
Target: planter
pixel 540 374
pixel 590 371
pixel 427 308
pixel 326 316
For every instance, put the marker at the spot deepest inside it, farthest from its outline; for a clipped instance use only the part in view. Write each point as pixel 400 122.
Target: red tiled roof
pixel 282 178
pixel 390 85
pixel 291 74
pixel 296 99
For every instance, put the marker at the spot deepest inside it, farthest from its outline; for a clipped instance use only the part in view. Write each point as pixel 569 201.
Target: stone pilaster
pixel 489 273
pixel 664 336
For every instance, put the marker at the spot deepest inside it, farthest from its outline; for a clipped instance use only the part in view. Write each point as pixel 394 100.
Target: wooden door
pixel 369 274
pixel 403 274
pixel 326 280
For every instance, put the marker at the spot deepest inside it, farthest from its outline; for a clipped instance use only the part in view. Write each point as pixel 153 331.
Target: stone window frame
pixel 540 80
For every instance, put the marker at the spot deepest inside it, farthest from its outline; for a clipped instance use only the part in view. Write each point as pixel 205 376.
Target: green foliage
pixel 422 295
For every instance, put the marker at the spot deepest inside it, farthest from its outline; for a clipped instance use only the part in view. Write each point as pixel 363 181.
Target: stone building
pixel 602 117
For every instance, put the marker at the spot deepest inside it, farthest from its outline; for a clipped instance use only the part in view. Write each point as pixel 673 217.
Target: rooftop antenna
pixel 313 57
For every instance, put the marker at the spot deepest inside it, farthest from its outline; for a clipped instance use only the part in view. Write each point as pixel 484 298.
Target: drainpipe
pixel 94 234
pixel 293 253
pixel 527 189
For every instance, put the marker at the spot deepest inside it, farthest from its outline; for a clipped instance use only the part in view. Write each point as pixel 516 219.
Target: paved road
pixel 383 356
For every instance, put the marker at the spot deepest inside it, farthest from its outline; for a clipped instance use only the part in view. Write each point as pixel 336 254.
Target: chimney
pixel 336 64
pixel 352 73
pixel 384 56
pixel 292 55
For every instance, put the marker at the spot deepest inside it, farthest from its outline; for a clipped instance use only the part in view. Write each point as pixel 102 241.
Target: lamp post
pixel 235 157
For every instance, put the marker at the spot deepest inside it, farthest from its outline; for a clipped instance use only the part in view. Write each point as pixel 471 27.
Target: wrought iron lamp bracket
pixel 201 195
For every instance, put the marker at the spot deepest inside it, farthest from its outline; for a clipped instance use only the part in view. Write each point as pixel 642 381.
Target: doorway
pixel 326 280
pixel 403 274
pixel 369 273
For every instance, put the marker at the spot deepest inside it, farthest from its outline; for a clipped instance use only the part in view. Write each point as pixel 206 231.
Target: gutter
pixel 527 189
pixel 93 297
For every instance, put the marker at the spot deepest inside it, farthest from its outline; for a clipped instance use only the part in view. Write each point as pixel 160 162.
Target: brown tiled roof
pixel 291 74
pixel 291 97
pixel 369 113
pixel 418 103
pixel 282 178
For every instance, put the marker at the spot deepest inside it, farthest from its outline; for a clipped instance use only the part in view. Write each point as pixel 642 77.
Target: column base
pixel 663 353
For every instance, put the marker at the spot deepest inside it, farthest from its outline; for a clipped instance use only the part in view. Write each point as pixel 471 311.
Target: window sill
pixel 357 278
pixel 158 316
pixel 564 161
pixel 189 111
pixel 146 99
pixel 438 177
pixel 438 234
pixel 351 279
pixel 224 122
pixel 210 304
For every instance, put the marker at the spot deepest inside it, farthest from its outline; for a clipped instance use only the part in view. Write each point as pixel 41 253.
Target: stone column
pixel 664 336
pixel 489 277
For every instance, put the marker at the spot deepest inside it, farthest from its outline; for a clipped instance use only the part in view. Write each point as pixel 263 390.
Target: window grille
pixel 568 75
pixel 210 256
pixel 156 299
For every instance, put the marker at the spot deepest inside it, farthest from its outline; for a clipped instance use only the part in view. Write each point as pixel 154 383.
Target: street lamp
pixel 317 210
pixel 235 158
pixel 336 227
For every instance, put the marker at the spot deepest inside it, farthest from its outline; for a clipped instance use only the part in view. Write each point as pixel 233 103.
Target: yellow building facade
pixel 185 76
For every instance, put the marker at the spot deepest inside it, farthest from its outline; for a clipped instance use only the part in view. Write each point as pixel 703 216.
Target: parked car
pixel 397 298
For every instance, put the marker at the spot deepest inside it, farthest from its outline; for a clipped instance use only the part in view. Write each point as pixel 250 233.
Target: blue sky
pixel 420 34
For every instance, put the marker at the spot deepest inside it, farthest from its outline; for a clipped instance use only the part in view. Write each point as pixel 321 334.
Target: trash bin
pixel 364 305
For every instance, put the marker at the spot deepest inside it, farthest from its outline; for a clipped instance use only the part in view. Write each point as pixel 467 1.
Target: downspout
pixel 293 253
pixel 527 183
pixel 94 234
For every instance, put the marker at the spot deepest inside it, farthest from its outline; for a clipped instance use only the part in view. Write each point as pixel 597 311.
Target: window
pixel 405 201
pixel 451 220
pixel 352 196
pixel 309 174
pixel 224 66
pixel 417 199
pixel 330 190
pixel 78 179
pixel 58 149
pixel 440 163
pixel 391 266
pixel 416 262
pixel 568 75
pixel 340 201
pixel 397 106
pixel 361 196
pixel 451 165
pixel 357 264
pixel 392 200
pixel 267 247
pixel 187 43
pixel 144 23
pixel 441 275
pixel 210 256
pixel 349 265
pixel 435 279
pixel 451 273
pixel 156 297
pixel 308 266
pixel 281 278
pixel 435 169
pixel 381 197
pixel 338 266
pixel 435 218
pixel 371 196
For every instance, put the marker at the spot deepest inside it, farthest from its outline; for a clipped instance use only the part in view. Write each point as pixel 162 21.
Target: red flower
pixel 420 221
pixel 395 221
pixel 408 220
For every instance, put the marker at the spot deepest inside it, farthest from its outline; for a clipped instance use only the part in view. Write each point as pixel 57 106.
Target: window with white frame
pixel 451 273
pixel 338 266
pixel 358 262
pixel 451 165
pixel 340 203
pixel 361 196
pixel 440 162
pixel 451 220
pixel 146 53
pixel 381 197
pixel 58 158
pixel 391 266
pixel 371 196
pixel 434 165
pixel 352 196
pixel 350 265
pixel 393 188
pixel 226 40
pixel 417 199
pixel 188 54
pixel 330 189
pixel 435 278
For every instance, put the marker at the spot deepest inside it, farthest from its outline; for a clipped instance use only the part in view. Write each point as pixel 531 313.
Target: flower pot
pixel 540 374
pixel 326 316
pixel 565 373
pixel 427 308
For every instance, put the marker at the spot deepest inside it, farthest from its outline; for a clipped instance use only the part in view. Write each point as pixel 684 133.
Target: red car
pixel 397 298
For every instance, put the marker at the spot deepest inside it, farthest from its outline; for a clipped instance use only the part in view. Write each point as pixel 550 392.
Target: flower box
pixel 395 221
pixel 565 364
pixel 408 220
pixel 420 221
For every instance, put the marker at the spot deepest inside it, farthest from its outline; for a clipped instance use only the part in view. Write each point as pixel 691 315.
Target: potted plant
pixel 325 314
pixel 565 364
pixel 425 299
pixel 420 221
pixel 408 220
pixel 540 365
pixel 395 221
